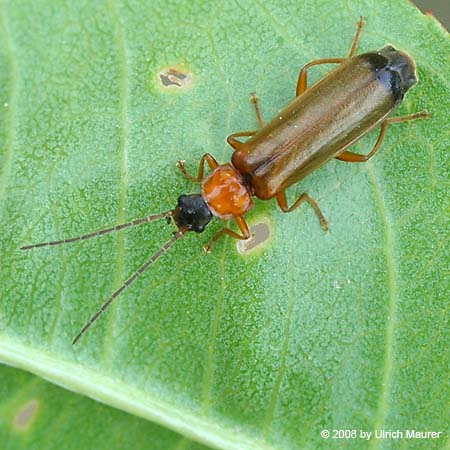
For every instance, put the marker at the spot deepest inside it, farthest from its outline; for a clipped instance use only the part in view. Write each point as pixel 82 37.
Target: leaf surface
pixel 35 414
pixel 338 330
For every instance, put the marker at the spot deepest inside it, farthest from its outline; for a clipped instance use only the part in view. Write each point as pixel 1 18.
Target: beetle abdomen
pixel 324 120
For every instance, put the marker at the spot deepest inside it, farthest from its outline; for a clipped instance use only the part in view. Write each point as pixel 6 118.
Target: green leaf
pixel 339 330
pixel 35 414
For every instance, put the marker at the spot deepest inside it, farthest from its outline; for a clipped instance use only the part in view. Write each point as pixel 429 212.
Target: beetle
pixel 318 125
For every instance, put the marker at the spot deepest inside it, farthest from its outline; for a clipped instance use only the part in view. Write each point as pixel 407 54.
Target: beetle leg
pixel 359 27
pixel 207 157
pixel 243 227
pixel 231 139
pixel 282 203
pixel 255 100
pixel 302 81
pixel 356 157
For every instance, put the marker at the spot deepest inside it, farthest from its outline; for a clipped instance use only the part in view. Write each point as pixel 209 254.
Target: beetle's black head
pixel 192 212
pixel 402 64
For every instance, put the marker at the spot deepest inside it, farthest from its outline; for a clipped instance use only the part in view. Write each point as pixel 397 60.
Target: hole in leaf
pixel 174 78
pixel 260 234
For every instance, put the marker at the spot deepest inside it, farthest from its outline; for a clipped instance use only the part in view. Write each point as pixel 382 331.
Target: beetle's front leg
pixel 243 227
pixel 207 157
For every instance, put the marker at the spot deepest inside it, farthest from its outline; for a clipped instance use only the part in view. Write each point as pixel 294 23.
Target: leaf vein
pixel 123 160
pixel 386 382
pixel 11 103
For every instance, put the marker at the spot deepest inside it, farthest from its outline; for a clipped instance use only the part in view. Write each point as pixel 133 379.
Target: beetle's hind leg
pixel 282 203
pixel 302 82
pixel 356 157
pixel 208 158
pixel 357 37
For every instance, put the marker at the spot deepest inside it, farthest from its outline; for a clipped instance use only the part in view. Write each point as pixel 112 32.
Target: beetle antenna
pixel 164 215
pixel 178 235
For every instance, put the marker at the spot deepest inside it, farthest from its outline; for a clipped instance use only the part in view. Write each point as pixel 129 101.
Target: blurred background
pixel 439 8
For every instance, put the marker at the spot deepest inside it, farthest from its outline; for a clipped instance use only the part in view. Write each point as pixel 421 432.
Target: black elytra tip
pixel 397 72
pixel 192 212
pixel 401 63
pixel 394 69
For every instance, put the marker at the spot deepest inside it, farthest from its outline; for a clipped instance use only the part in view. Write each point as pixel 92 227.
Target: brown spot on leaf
pixel 174 78
pixel 26 414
